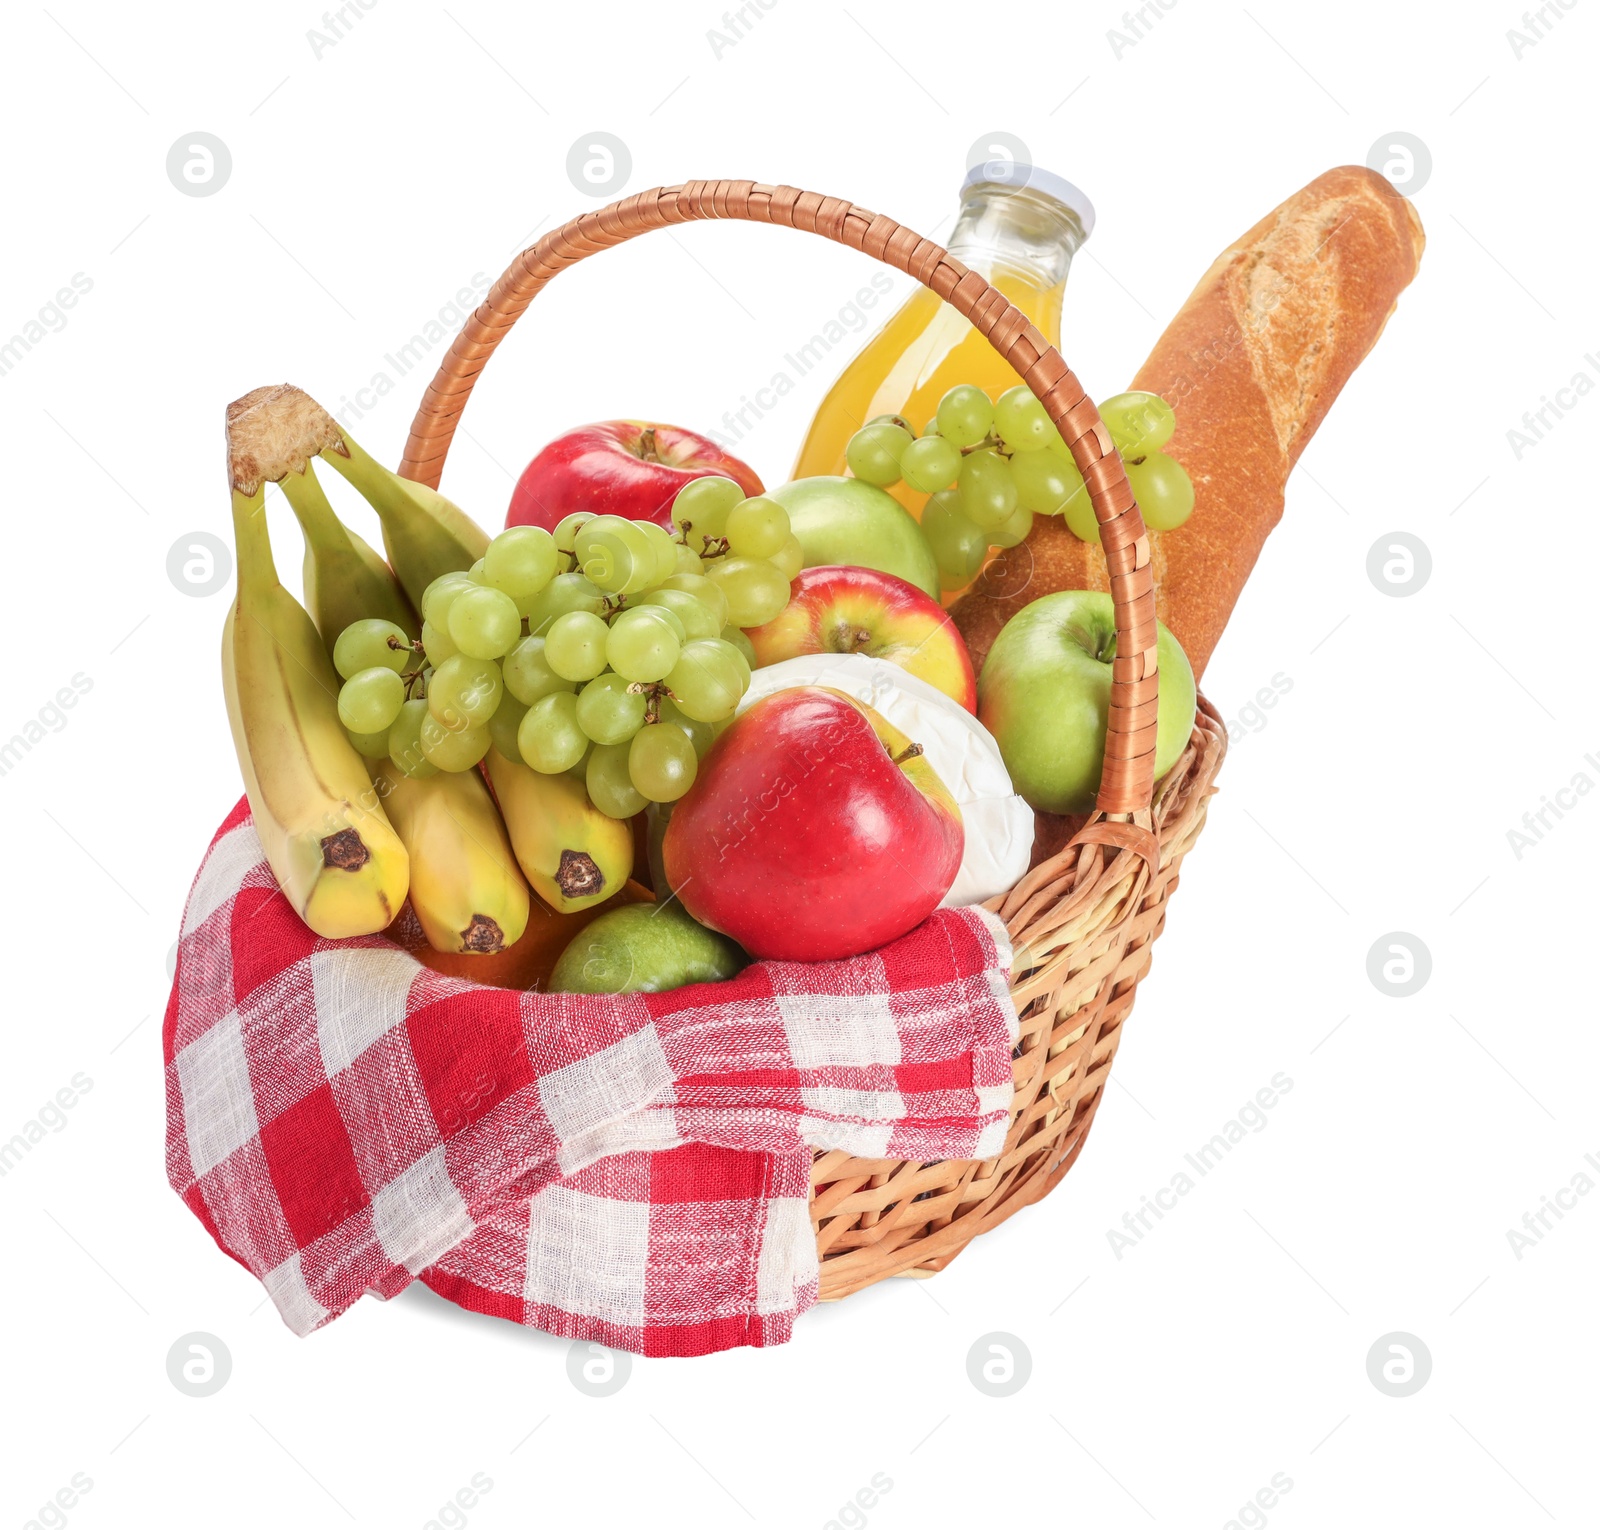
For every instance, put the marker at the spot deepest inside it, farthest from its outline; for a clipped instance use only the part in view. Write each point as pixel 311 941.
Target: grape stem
pixel 990 443
pixel 714 547
pixel 652 691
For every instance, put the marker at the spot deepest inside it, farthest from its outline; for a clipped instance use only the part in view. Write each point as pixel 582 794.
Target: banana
pixel 344 579
pixel 339 862
pixel 424 534
pixel 568 849
pixel 466 889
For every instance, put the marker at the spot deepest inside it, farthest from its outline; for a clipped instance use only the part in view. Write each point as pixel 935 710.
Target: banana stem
pixel 395 497
pixel 252 546
pixel 318 520
pixel 424 534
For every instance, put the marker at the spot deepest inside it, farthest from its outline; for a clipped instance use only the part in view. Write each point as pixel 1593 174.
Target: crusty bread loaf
pixel 1251 364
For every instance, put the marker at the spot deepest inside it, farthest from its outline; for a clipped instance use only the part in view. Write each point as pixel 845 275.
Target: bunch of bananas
pixel 349 839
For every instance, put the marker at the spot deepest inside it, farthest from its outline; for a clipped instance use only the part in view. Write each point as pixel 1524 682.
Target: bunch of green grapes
pixel 611 648
pixel 988 467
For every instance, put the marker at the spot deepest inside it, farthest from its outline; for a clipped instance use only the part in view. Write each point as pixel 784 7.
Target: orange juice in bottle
pixel 1019 227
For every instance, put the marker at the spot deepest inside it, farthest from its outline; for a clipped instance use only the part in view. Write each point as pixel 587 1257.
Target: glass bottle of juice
pixel 1019 227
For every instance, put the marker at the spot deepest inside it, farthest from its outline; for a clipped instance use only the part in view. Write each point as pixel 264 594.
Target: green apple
pixel 644 948
pixel 843 520
pixel 1045 693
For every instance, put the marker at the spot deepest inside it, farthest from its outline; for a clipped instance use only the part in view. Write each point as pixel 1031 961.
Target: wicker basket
pixel 1084 920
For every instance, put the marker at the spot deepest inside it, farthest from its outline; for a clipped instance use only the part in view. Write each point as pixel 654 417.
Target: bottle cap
pixel 1017 175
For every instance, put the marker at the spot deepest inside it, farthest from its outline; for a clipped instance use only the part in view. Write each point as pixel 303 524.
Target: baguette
pixel 1250 364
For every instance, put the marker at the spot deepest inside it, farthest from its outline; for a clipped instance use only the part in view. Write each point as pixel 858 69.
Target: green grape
pixel 874 452
pixel 735 639
pixel 958 546
pixel 757 528
pixel 484 623
pixel 932 427
pixel 698 733
pixel 370 746
pixel 580 767
pixel 965 415
pixel 642 645
pixel 756 592
pixel 662 763
pixel 608 711
pixel 666 551
pixel 503 727
pixel 575 645
pixel 790 558
pixel 930 464
pixel 1140 423
pixel 526 674
pixel 987 490
pixel 436 644
pixel 371 699
pixel 567 529
pixel 616 555
pixel 707 681
pixel 475 573
pixel 1014 530
pixel 1163 489
pixel 566 592
pixel 450 749
pixel 464 692
pixel 686 560
pixel 695 618
pixel 702 506
pixel 665 614
pixel 606 777
pixel 1043 481
pixel 550 738
pixel 1080 518
pixel 437 597
pixel 1020 419
pixel 371 642
pixel 742 664
pixel 703 590
pixel 405 746
pixel 893 419
pixel 521 561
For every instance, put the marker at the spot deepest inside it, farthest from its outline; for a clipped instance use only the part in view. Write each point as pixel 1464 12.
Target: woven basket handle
pixel 1128 777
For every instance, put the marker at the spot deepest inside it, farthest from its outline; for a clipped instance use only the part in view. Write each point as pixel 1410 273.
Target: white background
pixel 1170 1385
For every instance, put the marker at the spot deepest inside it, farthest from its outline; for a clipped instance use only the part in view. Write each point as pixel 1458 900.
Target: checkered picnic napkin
pixel 633 1169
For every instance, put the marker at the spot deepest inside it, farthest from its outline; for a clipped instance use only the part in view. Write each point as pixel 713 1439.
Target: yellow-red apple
pixel 840 609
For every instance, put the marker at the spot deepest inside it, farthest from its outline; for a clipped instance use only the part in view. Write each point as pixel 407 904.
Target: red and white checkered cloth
pixel 632 1169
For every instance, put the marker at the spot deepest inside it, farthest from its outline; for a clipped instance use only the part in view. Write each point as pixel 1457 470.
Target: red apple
pixel 619 467
pixel 815 830
pixel 835 609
